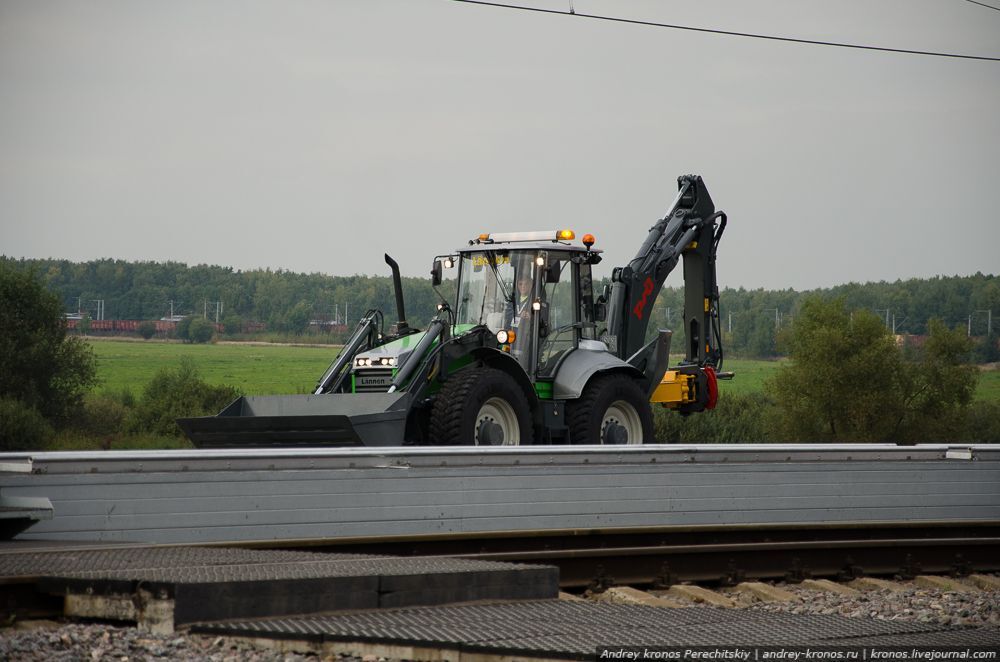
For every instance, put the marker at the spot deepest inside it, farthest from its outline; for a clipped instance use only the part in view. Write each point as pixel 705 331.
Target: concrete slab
pixel 160 588
pixel 37 624
pixel 875 584
pixel 986 582
pixel 569 597
pixel 144 609
pixel 828 586
pixel 945 584
pixel 766 592
pixel 700 595
pixel 626 595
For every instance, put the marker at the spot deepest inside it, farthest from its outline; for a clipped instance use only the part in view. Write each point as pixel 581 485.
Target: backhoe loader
pixel 527 353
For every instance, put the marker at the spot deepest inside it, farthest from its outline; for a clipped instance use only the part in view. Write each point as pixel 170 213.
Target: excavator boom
pixel 690 230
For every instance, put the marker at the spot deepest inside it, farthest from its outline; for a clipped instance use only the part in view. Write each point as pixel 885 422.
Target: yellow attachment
pixel 567 235
pixel 675 389
pixel 707 305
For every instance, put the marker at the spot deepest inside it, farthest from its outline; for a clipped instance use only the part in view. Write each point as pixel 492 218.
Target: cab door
pixel 560 323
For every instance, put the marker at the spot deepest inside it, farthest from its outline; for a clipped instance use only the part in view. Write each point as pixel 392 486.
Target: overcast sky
pixel 314 136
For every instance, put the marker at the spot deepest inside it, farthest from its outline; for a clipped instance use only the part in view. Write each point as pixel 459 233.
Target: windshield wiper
pixel 496 274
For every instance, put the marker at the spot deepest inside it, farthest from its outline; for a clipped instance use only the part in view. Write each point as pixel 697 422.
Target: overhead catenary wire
pixel 730 33
pixel 983 4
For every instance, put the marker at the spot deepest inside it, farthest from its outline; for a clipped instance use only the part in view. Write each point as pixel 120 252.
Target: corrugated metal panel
pixel 564 630
pixel 213 496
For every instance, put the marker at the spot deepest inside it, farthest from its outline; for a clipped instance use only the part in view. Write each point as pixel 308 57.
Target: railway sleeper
pixel 749 592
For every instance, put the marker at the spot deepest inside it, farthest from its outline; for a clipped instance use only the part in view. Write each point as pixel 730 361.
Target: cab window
pixel 559 335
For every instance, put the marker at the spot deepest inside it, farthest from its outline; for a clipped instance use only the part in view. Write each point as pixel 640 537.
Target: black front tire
pixel 483 407
pixel 612 410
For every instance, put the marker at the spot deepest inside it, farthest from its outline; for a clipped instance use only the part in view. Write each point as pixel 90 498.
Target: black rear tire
pixel 612 410
pixel 481 406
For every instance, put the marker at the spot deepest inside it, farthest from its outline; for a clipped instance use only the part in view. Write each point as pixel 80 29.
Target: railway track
pixel 631 586
pixel 107 581
pixel 725 556
pixel 640 516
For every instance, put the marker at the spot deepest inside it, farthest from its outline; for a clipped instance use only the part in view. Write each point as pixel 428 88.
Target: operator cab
pixel 532 290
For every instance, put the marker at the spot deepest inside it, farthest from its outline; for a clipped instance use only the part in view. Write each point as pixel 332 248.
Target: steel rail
pixel 727 564
pixel 612 552
pixel 717 554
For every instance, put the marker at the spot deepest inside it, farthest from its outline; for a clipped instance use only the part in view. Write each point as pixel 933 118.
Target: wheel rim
pixel 621 424
pixel 496 424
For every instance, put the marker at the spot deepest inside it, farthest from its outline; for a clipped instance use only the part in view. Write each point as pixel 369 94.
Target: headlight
pixel 505 337
pixel 384 362
pixel 360 363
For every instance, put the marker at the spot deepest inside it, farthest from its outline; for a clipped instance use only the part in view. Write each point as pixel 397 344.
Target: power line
pixel 981 4
pixel 730 33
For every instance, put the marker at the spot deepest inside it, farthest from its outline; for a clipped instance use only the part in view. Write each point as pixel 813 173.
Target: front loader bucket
pixel 361 419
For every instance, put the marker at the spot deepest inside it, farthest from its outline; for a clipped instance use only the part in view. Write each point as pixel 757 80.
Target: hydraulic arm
pixel 691 229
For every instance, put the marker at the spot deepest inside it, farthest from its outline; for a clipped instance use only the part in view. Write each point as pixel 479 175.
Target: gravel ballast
pixel 73 642
pixel 911 603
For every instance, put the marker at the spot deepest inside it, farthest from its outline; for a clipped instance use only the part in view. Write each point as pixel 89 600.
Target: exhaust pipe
pixel 401 326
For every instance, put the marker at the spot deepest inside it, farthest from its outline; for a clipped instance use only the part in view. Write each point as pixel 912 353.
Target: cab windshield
pixel 486 286
pixel 543 299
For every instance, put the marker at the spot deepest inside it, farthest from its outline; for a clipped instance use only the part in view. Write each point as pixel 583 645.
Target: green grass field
pixel 253 369
pixel 989 385
pixel 750 375
pixel 286 369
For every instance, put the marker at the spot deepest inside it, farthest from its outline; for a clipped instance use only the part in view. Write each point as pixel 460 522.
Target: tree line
pixel 752 321
pixel 283 300
pixel 757 323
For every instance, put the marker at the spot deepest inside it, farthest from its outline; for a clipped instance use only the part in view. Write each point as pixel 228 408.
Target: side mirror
pixel 436 273
pixel 601 305
pixel 553 272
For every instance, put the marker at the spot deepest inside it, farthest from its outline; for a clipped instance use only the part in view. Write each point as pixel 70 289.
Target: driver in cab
pixel 521 308
pixel 518 314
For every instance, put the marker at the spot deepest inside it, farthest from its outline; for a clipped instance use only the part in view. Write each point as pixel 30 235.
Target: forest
pixel 752 321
